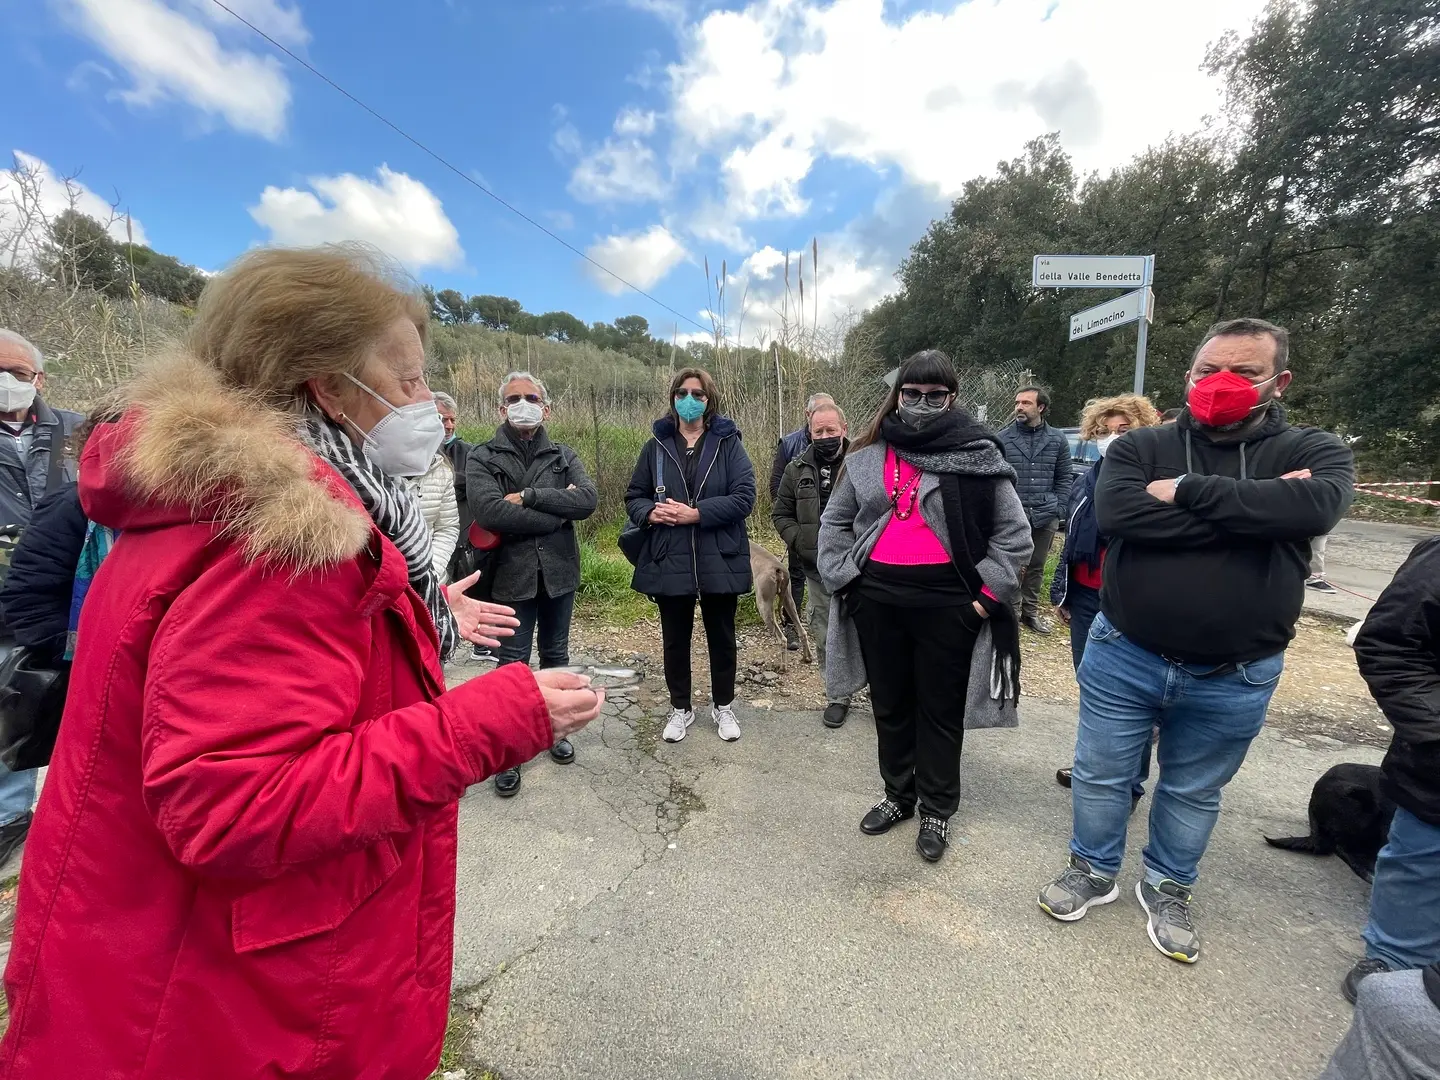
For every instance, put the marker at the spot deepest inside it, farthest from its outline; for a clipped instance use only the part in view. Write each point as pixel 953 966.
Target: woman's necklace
pixel 898 492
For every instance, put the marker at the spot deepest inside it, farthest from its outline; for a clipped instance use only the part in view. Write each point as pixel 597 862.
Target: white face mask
pixel 406 439
pixel 15 396
pixel 1103 444
pixel 524 414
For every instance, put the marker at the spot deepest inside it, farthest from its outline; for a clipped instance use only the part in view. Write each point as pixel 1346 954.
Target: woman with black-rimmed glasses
pixel 921 546
pixel 691 492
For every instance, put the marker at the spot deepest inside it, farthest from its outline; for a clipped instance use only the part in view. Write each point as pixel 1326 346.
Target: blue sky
pixel 650 133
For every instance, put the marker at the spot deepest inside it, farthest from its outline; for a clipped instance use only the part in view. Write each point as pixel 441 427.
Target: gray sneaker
pixel 1076 891
pixel 1171 924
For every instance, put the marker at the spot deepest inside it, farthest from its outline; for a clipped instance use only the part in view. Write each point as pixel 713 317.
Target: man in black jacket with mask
pixel 1210 520
pixel 1398 650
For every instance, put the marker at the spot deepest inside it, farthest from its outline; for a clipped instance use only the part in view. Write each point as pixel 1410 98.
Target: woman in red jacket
pixel 243 861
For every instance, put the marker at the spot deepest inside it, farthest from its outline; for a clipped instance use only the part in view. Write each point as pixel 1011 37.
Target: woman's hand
pixel 1063 613
pixel 660 515
pixel 980 609
pixel 571 702
pixel 683 513
pixel 479 623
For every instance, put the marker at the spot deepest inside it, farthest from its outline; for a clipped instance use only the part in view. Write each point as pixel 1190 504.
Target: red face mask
pixel 1224 398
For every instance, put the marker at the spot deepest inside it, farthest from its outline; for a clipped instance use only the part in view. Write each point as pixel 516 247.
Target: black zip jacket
pixel 1398 651
pixel 713 555
pixel 1219 576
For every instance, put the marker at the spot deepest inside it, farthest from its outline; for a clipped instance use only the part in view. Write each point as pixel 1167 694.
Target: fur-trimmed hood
pixel 190 449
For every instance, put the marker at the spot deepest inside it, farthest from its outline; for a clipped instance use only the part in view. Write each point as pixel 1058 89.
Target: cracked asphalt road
pixel 711 910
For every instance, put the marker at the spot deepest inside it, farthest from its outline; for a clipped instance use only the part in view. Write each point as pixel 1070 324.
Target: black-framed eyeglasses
pixel 515 399
pixel 698 395
pixel 936 399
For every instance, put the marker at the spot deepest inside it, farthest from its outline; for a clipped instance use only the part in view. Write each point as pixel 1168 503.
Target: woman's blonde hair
pixel 1133 407
pixel 282 316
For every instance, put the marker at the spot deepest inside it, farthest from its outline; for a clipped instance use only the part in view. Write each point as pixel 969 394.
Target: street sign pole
pixel 1142 339
pixel 1144 325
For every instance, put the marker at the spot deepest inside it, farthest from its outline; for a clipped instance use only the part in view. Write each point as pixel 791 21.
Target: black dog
pixel 1349 817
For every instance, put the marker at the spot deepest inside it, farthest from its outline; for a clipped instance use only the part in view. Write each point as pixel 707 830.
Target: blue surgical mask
pixel 689 409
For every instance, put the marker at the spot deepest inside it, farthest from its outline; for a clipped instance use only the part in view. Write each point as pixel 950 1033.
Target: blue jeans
pixel 1208 717
pixel 17 794
pixel 1404 926
pixel 1083 603
pixel 551 614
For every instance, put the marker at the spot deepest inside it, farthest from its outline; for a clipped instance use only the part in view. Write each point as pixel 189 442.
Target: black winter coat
pixel 41 582
pixel 1398 650
pixel 714 555
pixel 539 536
pixel 23 483
pixel 1041 459
pixel 797 509
pixel 457 452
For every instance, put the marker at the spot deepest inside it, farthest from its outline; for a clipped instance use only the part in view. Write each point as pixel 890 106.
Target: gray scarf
pixel 393 507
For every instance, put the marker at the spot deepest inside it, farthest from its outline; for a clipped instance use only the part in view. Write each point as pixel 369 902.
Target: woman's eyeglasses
pixel 515 399
pixel 698 395
pixel 934 398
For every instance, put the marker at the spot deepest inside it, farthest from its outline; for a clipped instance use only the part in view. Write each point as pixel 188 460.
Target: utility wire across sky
pixel 456 170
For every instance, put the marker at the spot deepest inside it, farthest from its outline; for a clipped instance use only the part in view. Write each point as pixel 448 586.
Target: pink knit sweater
pixel 907 542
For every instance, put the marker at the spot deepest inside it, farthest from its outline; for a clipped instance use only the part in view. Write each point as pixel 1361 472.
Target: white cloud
pixel 641 258
pixel 940 96
pixel 634 122
pixel 52 197
pixel 623 168
pixel 396 213
pixel 284 24
pixel 170 54
pixel 849 281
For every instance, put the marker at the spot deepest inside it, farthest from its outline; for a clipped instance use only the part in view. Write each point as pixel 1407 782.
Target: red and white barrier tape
pixel 1364 489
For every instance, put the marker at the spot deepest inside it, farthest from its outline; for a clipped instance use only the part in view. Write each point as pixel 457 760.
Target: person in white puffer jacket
pixel 436 490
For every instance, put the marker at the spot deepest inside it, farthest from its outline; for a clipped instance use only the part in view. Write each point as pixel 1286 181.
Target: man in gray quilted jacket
pixel 1040 456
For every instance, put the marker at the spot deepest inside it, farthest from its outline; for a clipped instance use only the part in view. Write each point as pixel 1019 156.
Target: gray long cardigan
pixel 858 511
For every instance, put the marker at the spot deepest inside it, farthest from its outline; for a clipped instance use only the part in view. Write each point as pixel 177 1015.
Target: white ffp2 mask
pixel 524 414
pixel 406 439
pixel 15 394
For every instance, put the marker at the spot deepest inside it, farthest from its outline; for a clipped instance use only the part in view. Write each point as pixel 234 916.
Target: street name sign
pixel 1132 307
pixel 1091 271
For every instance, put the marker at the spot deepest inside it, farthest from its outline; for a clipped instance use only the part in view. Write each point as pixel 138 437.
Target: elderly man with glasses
pixel 33 462
pixel 531 491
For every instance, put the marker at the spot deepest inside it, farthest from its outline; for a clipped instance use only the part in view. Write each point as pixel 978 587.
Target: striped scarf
pixel 393 507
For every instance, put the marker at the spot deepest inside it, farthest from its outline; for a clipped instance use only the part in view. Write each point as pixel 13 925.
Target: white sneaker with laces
pixel 726 725
pixel 680 719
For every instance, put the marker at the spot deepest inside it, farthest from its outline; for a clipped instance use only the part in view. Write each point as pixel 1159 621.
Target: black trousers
pixel 918 662
pixel 796 568
pixel 677 626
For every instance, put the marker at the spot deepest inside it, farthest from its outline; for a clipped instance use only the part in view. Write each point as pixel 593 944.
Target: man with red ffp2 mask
pixel 1210 520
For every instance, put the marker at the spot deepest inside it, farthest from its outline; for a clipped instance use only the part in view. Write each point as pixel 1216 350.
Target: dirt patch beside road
pixel 1321 697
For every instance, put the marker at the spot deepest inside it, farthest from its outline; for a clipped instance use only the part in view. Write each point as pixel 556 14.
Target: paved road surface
pixel 712 912
pixel 1360 560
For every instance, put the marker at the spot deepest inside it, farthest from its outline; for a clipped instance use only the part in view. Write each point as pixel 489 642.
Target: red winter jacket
pixel 243 862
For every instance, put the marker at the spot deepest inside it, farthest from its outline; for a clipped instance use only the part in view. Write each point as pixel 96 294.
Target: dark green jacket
pixel 538 537
pixel 796 510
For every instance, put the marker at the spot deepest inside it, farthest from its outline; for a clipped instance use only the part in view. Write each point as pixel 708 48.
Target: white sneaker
pixel 725 723
pixel 680 719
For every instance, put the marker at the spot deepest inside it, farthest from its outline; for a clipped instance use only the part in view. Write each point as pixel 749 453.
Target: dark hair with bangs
pixel 927 366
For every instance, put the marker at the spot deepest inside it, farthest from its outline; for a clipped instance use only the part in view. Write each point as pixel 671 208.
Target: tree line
pixel 1310 202
pixel 629 334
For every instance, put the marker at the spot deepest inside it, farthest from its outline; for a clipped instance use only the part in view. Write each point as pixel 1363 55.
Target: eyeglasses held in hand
pixel 698 395
pixel 515 399
pixel 934 398
pixel 615 681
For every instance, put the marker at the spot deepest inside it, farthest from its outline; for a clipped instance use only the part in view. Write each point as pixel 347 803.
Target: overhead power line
pixel 457 171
